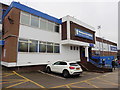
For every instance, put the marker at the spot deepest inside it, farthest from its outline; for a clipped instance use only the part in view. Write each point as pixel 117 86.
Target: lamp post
pixel 99 28
pixel 102 46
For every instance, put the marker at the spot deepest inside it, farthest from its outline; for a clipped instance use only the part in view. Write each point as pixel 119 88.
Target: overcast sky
pixel 92 12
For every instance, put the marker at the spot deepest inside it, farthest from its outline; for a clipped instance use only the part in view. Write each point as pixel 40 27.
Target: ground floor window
pixel 42 47
pixel 49 47
pixel 23 45
pixel 56 48
pixel 33 46
pixel 38 46
pixel 74 48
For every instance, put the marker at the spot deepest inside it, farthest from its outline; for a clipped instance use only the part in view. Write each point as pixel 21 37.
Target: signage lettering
pixel 83 34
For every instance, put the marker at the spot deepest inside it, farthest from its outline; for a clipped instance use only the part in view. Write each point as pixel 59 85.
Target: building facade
pixel 35 38
pixel 3 7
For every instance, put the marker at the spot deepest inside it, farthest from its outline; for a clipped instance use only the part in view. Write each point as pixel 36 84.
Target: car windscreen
pixel 73 64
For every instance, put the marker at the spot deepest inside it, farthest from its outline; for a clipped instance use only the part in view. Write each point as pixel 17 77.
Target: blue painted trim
pixel 2 42
pixel 91 45
pixel 32 11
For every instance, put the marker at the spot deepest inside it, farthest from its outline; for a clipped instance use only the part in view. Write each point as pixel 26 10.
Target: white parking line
pixel 51 75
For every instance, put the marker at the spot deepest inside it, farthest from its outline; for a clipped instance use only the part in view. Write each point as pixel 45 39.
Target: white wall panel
pixel 38 34
pixel 44 58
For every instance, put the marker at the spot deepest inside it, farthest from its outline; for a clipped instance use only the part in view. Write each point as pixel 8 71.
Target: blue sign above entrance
pixel 81 33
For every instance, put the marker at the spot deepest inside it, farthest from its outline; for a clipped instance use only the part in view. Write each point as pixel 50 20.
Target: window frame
pixel 39 22
pixel 36 18
pixel 58 28
pixel 44 43
pixel 54 45
pixel 27 45
pixel 23 13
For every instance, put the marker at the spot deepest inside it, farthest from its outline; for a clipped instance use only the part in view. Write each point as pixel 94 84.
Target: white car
pixel 64 67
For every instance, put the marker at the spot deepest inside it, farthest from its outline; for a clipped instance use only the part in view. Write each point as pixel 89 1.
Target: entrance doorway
pixel 90 52
pixel 82 54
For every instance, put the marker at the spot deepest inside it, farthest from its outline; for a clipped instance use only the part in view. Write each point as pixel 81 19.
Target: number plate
pixel 77 68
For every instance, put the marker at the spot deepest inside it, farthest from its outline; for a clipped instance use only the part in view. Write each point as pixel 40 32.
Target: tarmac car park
pixel 37 80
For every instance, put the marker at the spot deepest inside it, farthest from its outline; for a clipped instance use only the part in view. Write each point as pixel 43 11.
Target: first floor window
pixel 49 47
pixel 25 18
pixel 50 26
pixel 43 24
pixel 34 21
pixel 33 46
pixel 57 28
pixel 23 45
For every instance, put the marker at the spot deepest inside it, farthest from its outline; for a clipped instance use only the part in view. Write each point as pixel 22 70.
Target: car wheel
pixel 66 74
pixel 48 70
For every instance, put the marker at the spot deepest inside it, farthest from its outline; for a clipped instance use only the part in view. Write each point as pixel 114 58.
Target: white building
pixel 35 38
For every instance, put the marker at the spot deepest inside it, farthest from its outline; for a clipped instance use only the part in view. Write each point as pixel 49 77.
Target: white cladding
pixel 24 58
pixel 38 34
pixel 77 21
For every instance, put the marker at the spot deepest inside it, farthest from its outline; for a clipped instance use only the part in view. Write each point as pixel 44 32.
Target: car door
pixel 55 66
pixel 62 65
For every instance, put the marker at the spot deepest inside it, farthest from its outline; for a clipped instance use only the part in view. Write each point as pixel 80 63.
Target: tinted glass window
pixel 57 63
pixel 70 47
pixel 56 49
pixel 63 63
pixel 34 21
pixel 43 24
pixel 50 26
pixel 73 64
pixel 49 47
pixel 42 47
pixel 57 28
pixel 33 46
pixel 23 45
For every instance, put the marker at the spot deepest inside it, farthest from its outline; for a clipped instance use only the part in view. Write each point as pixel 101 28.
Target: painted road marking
pixel 8 75
pixel 16 84
pixel 81 81
pixel 91 84
pixel 51 75
pixel 4 82
pixel 107 81
pixel 28 79
pixel 77 86
pixel 68 87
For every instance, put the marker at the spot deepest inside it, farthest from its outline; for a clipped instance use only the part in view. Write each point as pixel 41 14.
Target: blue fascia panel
pixel 7 11
pixel 2 42
pixel 32 11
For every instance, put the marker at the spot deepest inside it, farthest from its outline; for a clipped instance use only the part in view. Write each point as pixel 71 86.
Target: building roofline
pixel 107 40
pixel 32 11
